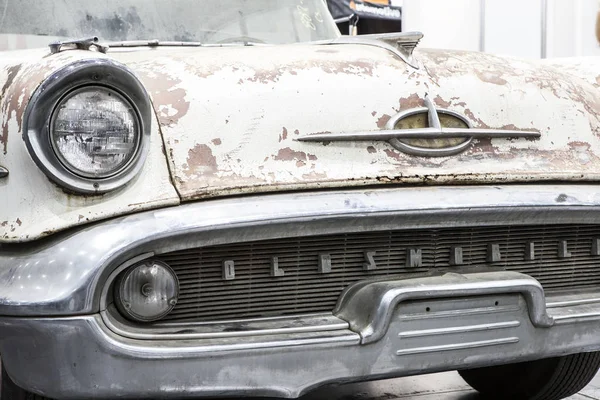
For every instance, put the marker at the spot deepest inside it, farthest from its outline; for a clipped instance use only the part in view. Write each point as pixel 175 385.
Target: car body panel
pixel 31 206
pixel 230 117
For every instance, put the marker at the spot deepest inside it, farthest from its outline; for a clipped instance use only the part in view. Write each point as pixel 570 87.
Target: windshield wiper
pixel 88 43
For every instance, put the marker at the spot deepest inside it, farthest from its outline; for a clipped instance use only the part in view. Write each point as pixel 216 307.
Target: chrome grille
pixel 206 296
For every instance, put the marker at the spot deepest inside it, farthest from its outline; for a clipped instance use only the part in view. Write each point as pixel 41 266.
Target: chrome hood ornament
pixel 433 140
pixel 401 44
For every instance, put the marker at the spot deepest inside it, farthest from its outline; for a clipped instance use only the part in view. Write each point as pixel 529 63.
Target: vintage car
pixel 228 198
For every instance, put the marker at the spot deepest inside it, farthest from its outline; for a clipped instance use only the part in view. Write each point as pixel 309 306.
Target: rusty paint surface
pixel 30 205
pixel 229 117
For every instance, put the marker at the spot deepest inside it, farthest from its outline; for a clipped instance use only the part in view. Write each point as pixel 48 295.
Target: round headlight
pixel 147 292
pixel 88 126
pixel 95 132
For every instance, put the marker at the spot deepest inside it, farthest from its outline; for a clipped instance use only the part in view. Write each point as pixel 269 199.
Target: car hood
pixel 228 122
pixel 231 117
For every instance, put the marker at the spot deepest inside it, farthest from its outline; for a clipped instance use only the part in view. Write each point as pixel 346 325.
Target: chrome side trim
pixel 308 324
pixel 381 298
pixel 577 318
pixel 68 270
pixel 458 346
pixel 423 133
pixel 459 329
pixel 572 299
pixel 434 131
pixel 210 347
pixel 452 314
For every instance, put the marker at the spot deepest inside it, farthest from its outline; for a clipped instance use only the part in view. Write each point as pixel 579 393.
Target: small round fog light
pixel 147 292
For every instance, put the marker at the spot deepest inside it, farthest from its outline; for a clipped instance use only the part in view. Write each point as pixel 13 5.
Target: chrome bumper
pixel 380 329
pixel 56 340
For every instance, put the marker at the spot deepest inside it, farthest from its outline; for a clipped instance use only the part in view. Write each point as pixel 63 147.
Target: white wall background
pixel 513 27
pixel 449 24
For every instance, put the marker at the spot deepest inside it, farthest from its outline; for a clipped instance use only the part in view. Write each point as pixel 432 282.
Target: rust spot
pixel 80 218
pixel 393 154
pixel 374 113
pixel 10 106
pixel 216 142
pixel 472 117
pixel 580 146
pixel 383 120
pixel 200 160
pixel 513 127
pixel 288 154
pixel 169 100
pixel 316 176
pixel 284 135
pixel 300 164
pixel 19 222
pixel 494 77
pixel 371 149
pixel 412 101
pixel 12 73
pixel 296 132
pixel 441 102
pixel 312 157
pixel 360 67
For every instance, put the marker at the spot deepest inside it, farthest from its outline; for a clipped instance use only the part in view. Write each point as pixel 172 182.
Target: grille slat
pixel 205 296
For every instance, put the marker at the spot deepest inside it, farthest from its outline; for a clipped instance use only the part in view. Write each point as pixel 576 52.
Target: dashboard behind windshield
pixel 34 23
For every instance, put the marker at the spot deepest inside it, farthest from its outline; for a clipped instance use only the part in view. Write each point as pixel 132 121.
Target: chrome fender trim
pixel 368 306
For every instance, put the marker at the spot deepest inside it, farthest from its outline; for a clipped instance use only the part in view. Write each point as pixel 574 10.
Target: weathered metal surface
pixel 63 271
pixel 315 270
pixel 31 205
pixel 475 331
pixel 230 117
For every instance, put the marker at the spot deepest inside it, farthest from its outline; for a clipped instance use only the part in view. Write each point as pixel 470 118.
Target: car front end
pixel 185 219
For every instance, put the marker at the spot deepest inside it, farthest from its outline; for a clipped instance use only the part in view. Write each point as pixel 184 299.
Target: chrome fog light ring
pixel 146 292
pixel 85 75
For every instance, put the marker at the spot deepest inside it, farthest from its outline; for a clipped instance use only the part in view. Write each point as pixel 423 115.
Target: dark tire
pixel 10 391
pixel 549 379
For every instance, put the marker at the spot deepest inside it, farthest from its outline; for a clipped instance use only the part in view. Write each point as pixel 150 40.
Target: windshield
pixel 35 23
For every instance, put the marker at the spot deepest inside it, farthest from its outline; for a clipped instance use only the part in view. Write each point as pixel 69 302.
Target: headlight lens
pixel 147 292
pixel 95 132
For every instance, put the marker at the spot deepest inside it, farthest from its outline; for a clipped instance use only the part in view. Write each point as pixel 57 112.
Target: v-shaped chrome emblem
pixel 399 138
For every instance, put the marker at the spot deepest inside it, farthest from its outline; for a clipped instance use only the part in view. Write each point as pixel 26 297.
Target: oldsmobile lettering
pixel 414 257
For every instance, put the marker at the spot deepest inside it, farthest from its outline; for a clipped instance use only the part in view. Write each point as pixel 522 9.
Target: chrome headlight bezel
pixel 69 79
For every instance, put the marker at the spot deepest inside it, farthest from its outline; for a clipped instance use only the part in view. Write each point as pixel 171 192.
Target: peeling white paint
pixel 255 101
pixel 30 205
pixel 229 117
